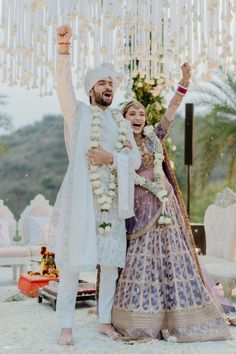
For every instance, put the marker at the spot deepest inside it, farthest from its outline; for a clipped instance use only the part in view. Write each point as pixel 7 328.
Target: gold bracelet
pixel 184 83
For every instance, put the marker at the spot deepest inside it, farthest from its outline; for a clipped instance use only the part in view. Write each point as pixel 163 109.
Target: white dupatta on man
pixel 73 235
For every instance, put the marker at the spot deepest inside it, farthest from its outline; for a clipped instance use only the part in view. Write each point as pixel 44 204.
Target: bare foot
pixel 109 331
pixel 66 337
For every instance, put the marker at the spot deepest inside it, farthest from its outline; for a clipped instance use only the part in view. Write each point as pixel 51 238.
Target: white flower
pixel 101 230
pixel 102 199
pixel 112 185
pixel 112 193
pixel 159 156
pixel 96 184
pixel 98 191
pixel 167 220
pixel 112 178
pixel 119 145
pixel 93 168
pixel 96 121
pixel 106 206
pixel 107 228
pixel 139 180
pixel 95 129
pixel 135 73
pixel 95 136
pixel 161 194
pixel 161 220
pixel 148 129
pixel 123 131
pixel 94 176
pixel 123 124
pixel 94 143
pixel 108 200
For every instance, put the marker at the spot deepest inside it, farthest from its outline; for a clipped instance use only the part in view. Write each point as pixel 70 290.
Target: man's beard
pixel 98 98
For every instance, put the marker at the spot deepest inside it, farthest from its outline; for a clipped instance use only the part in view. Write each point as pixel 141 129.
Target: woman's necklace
pixel 157 187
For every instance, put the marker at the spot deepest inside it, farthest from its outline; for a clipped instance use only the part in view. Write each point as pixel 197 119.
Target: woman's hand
pixel 127 144
pixel 99 157
pixel 64 34
pixel 186 72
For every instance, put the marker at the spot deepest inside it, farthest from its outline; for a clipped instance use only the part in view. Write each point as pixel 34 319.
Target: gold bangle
pixel 184 83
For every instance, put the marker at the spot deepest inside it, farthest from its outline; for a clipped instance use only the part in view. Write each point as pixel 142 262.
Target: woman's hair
pixel 136 104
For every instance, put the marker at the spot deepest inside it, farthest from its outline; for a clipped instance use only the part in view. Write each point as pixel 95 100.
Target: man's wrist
pixel 64 48
pixel 110 159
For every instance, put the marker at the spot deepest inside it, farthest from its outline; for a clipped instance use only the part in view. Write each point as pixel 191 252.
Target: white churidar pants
pixel 67 291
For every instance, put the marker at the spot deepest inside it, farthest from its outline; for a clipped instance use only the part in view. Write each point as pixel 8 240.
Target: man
pixel 97 192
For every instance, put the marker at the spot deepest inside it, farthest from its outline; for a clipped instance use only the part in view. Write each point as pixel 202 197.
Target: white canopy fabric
pixel 151 36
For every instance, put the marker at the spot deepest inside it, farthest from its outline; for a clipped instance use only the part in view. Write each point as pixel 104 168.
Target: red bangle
pixel 182 90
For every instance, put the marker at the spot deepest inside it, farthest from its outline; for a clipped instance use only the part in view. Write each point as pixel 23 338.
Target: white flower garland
pixel 157 187
pixel 105 199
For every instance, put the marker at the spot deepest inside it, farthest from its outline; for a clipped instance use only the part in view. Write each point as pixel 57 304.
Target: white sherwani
pixel 77 214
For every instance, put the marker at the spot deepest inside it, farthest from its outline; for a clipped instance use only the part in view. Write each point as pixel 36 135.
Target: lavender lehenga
pixel 160 292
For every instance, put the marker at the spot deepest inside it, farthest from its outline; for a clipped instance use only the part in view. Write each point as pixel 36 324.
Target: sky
pixel 26 106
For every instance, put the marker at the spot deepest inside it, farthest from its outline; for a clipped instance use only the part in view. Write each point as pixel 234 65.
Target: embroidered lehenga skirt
pixel 160 293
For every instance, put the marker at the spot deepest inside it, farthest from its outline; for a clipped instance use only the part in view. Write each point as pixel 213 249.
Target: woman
pixel 160 292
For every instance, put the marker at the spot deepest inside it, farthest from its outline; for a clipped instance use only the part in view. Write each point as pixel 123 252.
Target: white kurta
pixel 73 233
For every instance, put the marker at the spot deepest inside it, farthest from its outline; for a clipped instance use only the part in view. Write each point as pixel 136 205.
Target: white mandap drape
pixel 150 35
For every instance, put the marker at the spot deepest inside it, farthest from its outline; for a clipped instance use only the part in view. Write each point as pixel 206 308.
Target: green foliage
pixel 5 126
pixel 148 92
pixel 200 201
pixel 217 137
pixel 36 163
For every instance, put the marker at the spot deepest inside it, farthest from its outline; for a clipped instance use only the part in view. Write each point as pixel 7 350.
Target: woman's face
pixel 136 116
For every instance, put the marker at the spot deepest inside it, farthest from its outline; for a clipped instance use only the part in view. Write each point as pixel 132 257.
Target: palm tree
pixel 217 135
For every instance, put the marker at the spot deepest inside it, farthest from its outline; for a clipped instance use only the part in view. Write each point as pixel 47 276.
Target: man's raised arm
pixel 65 90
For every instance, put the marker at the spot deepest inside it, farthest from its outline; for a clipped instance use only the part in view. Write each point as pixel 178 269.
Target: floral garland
pixel 157 187
pixel 103 198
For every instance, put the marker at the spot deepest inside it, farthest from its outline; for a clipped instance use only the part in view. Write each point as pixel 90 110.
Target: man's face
pixel 102 92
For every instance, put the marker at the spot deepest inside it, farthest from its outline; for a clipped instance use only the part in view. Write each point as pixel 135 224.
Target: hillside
pixel 36 163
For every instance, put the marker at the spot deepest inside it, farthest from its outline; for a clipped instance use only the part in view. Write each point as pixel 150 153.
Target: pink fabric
pixel 14 251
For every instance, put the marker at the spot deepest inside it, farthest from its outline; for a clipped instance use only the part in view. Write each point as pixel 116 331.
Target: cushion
pixel 38 230
pixel 4 233
pixel 229 248
pixel 34 250
pixel 220 227
pixel 14 251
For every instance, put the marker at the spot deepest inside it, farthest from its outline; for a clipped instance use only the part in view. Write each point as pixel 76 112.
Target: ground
pixel 27 327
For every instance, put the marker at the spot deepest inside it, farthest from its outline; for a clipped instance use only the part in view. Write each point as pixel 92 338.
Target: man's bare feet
pixel 65 337
pixel 109 331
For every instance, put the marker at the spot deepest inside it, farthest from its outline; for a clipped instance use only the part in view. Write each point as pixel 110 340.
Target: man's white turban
pixel 100 72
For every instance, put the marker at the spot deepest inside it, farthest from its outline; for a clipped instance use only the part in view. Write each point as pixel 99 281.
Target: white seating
pixel 220 229
pixel 10 253
pixel 33 226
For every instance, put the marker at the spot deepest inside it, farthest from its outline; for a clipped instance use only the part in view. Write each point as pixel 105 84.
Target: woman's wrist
pixel 182 87
pixel 184 82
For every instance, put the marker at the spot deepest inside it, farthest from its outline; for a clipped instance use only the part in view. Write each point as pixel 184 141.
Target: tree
pixel 5 125
pixel 217 136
